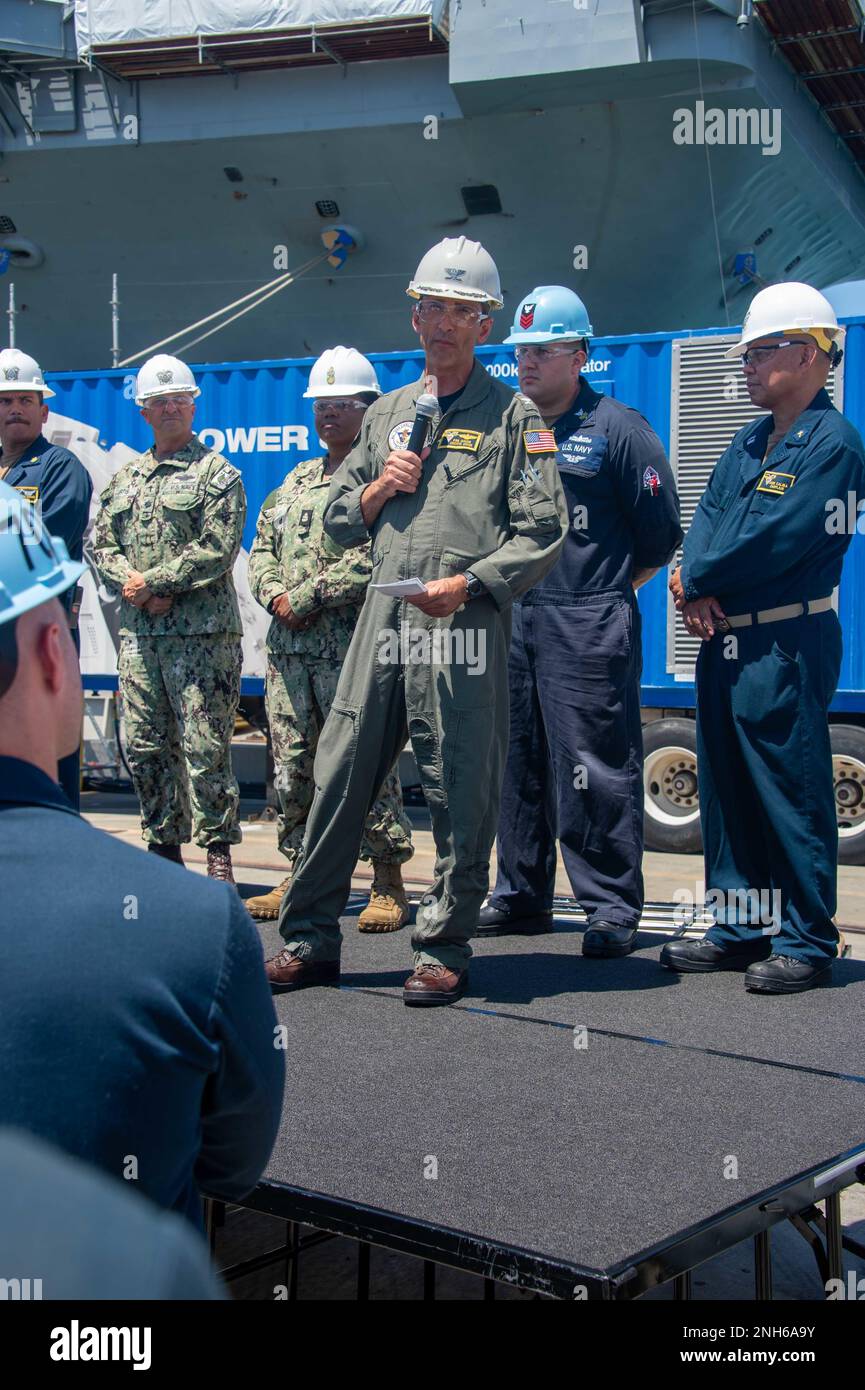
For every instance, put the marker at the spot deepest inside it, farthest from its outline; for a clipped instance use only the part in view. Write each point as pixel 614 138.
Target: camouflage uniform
pixel 290 554
pixel 179 522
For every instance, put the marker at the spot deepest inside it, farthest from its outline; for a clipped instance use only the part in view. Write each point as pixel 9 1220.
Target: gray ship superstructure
pixel 660 158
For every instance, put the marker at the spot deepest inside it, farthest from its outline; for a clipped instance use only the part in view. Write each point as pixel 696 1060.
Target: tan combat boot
pixel 387 909
pixel 266 907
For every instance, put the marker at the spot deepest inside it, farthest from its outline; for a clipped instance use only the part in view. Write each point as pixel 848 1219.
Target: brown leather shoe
pixel 287 972
pixel 434 984
pixel 219 862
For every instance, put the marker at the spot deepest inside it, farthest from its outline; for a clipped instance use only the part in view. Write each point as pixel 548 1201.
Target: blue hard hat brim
pixel 62 577
pixel 541 339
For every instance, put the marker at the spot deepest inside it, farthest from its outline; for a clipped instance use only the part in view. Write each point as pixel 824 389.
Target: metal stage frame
pixel 672 1259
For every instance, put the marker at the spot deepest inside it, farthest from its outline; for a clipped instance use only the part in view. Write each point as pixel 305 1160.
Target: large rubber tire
pixel 848 767
pixel 672 818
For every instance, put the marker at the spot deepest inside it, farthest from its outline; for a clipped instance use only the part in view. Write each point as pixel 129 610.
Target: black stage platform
pixel 690 1115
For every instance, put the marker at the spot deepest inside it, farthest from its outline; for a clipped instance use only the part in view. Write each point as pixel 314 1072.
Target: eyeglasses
pixel 433 311
pixel 755 357
pixel 543 354
pixel 340 407
pixel 163 402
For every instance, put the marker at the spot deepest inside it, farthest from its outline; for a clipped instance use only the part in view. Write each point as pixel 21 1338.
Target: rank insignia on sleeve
pixel 776 483
pixel 539 441
pixel 400 435
pixel 468 441
pixel 652 481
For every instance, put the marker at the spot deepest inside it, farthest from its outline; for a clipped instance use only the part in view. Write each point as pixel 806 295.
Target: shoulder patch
pixel 400 434
pixel 539 441
pixel 223 478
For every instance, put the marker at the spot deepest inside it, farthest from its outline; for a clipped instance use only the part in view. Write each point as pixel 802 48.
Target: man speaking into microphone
pixel 478 516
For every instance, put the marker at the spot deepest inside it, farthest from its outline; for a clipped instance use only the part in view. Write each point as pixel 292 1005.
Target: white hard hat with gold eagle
pixel 18 372
pixel 164 376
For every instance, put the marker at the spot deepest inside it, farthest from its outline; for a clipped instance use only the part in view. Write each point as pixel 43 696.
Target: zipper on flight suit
pixel 431 442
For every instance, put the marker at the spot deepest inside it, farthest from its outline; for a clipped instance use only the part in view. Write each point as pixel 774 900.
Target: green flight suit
pixel 489 500
pixel 303 667
pixel 179 522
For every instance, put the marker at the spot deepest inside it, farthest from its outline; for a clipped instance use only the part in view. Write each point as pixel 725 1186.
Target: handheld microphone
pixel 426 410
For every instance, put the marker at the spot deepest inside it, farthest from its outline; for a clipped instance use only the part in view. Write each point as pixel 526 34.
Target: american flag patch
pixel 539 441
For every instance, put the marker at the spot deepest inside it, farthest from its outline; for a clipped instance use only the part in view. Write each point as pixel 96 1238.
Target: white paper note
pixel 402 588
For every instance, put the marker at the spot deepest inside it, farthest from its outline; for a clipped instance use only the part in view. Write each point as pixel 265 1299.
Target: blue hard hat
pixel 550 314
pixel 34 567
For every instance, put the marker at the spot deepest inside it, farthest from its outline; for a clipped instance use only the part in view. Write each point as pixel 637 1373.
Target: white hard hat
pixel 164 376
pixel 18 372
pixel 341 371
pixel 789 308
pixel 457 268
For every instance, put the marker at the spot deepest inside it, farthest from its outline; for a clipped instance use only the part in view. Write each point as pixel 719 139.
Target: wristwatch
pixel 473 585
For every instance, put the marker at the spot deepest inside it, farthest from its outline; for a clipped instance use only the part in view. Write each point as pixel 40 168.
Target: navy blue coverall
pixel 762 537
pixel 54 480
pixel 575 759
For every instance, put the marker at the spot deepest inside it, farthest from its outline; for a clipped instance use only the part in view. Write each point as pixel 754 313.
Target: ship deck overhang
pixel 312 45
pixel 823 41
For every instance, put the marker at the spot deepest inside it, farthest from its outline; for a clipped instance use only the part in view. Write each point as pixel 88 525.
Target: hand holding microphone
pixel 402 467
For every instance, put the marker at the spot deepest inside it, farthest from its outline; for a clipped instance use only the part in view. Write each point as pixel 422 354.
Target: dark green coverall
pixel 489 500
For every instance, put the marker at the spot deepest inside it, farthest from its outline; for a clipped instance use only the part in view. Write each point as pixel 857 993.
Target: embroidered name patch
pixel 777 483
pixel 467 441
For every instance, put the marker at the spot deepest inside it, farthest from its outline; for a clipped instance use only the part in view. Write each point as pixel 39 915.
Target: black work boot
pixel 171 852
pixel 605 940
pixel 496 920
pixel 704 957
pixel 786 975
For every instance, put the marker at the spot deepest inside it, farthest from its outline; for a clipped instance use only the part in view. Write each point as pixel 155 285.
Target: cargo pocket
pixel 378 552
pixel 428 756
pixel 337 748
pixel 120 511
pixel 180 513
pixel 460 466
pixel 541 509
pixel 468 773
pixel 456 562
pixel 467 748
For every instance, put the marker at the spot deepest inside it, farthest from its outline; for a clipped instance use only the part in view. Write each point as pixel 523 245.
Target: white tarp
pixel 124 21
